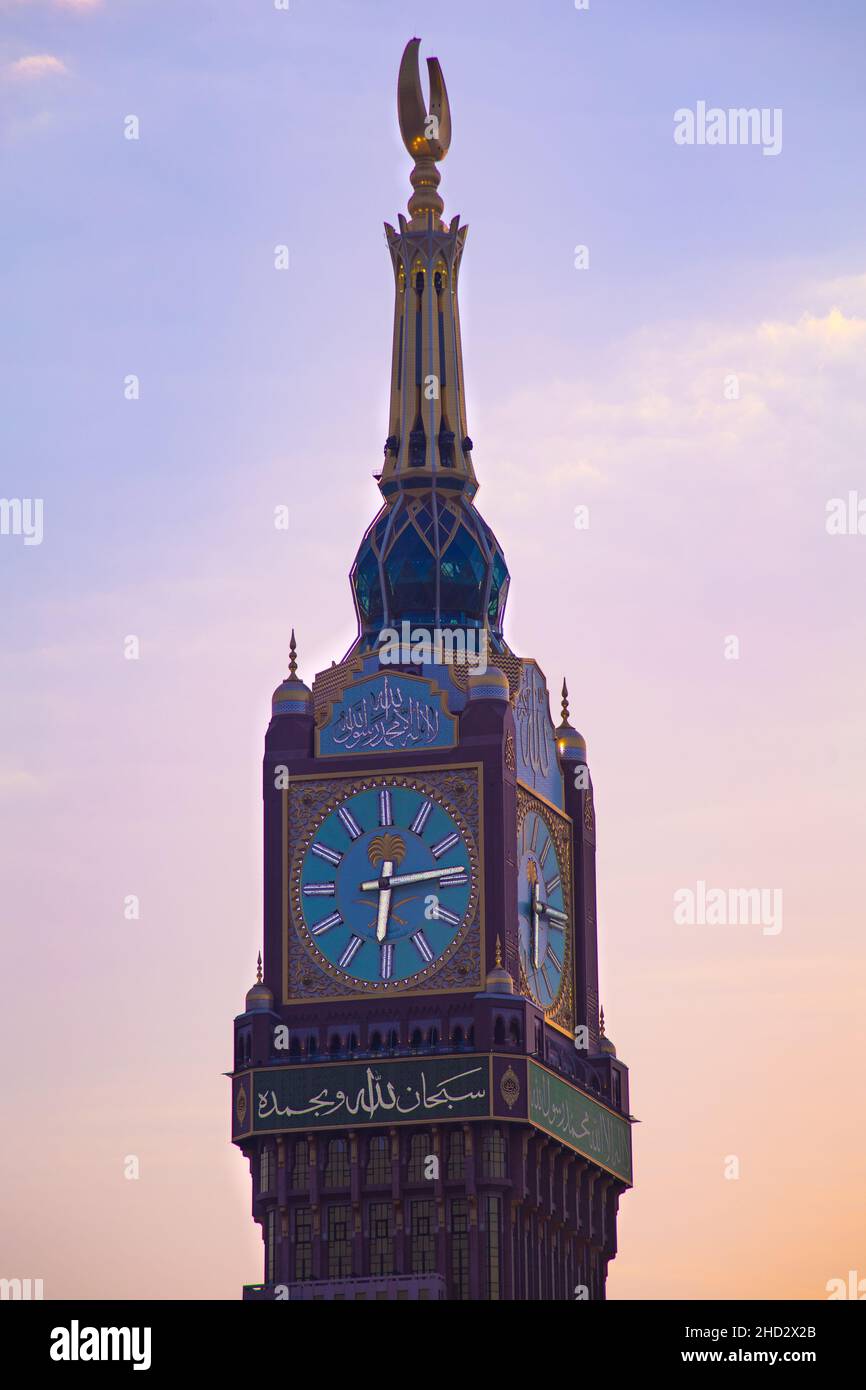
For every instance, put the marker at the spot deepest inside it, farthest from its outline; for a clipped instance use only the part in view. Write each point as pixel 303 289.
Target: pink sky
pixel 602 388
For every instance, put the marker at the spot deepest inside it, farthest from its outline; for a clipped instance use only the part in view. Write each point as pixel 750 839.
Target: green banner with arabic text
pixel 371 1093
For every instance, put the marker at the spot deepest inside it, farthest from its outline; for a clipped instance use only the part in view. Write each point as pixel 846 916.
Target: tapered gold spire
pixel 427 437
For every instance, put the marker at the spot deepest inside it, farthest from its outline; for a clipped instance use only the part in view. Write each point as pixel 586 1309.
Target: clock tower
pixel 422 1084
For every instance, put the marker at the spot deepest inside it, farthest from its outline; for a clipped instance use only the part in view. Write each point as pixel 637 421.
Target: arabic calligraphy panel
pixel 580 1122
pixel 387 712
pixel 371 1093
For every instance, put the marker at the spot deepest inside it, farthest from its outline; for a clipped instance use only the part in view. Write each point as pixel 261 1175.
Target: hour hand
pixel 553 913
pixel 384 903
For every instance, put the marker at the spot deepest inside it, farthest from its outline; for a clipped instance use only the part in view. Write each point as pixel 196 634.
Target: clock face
pixel 543 914
pixel 386 886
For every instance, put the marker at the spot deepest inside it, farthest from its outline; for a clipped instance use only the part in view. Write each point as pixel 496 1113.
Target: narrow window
pixel 421 1238
pixel 381 1239
pixel 460 1248
pixel 339 1243
pixel 303 1243
pixel 337 1165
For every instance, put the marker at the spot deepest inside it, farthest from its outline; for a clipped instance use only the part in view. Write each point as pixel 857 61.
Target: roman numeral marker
pixel 333 856
pixel 421 818
pixel 534 836
pixel 554 957
pixel 349 823
pixel 449 842
pixel 354 946
pixel 422 946
pixel 553 885
pixel 319 890
pixel 443 915
pixel 386 814
pixel 386 960
pixel 335 920
pixel 544 853
pixel 452 878
pixel 546 981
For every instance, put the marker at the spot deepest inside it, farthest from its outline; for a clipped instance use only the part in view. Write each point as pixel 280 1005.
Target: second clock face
pixel 387 886
pixel 542 910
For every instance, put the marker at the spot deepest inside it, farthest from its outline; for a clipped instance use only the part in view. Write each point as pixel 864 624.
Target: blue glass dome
pixel 432 561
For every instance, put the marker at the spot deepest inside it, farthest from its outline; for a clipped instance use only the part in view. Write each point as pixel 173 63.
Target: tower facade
pixel 422 1084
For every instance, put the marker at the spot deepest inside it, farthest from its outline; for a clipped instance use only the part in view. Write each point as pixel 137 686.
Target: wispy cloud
pixel 81 6
pixel 37 65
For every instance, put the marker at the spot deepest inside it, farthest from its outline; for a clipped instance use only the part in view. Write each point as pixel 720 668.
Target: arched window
pixel 295 1048
pixel 433 1036
pixel 416 1037
pixel 266 1169
pixel 379 1160
pixel 393 1040
pixel 514 1032
pixel 312 1046
pixel 353 1042
pixel 456 1154
pixel 376 1042
pixel 419 1148
pixel 301 1167
pixel 334 1045
pixel 457 1036
pixel 493 1155
pixel 337 1166
pixel 470 1036
pixel 499 1031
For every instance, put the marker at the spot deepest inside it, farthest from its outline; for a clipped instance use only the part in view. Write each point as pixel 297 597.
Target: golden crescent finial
pixel 424 135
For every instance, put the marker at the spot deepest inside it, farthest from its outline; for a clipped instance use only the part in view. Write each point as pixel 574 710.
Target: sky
pixel 697 387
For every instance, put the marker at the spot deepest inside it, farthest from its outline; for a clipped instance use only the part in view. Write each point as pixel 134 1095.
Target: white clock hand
pixel 384 903
pixel 536 906
pixel 399 879
pixel 553 913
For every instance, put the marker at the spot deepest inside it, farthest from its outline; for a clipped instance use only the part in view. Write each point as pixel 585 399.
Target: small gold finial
pixel 293 657
pixel 564 701
pixel 498 954
pixel 259 969
pixel 601 1022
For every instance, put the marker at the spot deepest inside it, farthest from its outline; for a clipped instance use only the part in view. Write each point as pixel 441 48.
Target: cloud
pixel 37 65
pixel 81 6
pixel 13 781
pixel 747 400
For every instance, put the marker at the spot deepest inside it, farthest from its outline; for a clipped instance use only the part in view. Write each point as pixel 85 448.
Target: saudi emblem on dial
pixel 387 885
pixel 542 910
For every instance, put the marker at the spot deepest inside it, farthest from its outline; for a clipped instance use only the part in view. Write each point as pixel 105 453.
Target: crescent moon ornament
pixel 426 134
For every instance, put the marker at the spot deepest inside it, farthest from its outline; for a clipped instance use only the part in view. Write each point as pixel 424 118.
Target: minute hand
pixel 399 879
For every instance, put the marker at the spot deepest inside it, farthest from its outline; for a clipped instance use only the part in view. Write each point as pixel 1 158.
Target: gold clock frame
pixel 337 787
pixel 560 828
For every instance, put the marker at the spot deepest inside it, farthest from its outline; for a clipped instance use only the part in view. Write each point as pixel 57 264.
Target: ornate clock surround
pixel 307 975
pixel 559 826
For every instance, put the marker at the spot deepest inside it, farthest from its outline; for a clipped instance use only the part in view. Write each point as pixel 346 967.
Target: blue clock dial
pixel 543 917
pixel 387 885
